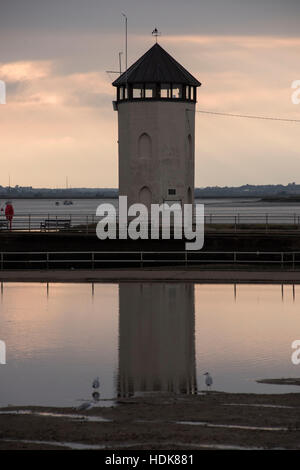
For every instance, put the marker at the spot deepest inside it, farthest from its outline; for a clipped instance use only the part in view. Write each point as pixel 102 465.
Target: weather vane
pixel 156 33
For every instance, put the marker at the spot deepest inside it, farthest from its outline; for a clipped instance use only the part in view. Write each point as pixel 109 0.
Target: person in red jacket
pixel 9 213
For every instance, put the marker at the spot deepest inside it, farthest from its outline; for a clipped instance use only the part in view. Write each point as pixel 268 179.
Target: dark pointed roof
pixel 156 66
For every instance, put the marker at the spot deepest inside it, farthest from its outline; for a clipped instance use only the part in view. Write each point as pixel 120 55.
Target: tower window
pixel 172 192
pixel 176 91
pixel 137 91
pixel 122 93
pixel 165 90
pixel 149 90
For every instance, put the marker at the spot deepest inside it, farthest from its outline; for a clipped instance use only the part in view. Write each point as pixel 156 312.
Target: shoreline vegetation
pixel 207 420
pixel 266 192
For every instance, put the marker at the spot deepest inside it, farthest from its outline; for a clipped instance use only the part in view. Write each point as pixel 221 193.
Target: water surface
pixel 143 337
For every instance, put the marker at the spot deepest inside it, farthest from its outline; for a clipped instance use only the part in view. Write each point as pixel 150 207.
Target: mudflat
pixel 212 420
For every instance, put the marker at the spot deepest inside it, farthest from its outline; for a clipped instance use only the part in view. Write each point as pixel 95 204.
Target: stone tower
pixel 156 100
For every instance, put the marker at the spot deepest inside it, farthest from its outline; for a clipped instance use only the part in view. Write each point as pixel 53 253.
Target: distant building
pixel 156 101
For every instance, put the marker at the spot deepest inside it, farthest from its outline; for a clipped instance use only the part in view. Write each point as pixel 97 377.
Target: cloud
pixel 35 83
pixel 24 71
pixel 59 115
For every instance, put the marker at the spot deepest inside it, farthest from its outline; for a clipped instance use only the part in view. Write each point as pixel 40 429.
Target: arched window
pixel 145 196
pixel 145 146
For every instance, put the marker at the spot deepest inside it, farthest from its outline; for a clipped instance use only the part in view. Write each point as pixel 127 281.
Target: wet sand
pixel 212 420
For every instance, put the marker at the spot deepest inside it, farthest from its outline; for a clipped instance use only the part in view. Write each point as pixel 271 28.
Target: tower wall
pixel 156 151
pixel 156 338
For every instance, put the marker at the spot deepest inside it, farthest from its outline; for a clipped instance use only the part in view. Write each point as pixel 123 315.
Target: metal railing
pixel 143 259
pixel 86 223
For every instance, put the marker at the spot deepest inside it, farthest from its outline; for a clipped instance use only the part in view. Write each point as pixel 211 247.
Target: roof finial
pixel 156 33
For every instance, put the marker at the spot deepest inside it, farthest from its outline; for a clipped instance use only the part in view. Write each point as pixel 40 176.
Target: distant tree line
pixel 247 190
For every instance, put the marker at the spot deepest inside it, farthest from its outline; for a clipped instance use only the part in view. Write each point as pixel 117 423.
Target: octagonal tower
pixel 156 100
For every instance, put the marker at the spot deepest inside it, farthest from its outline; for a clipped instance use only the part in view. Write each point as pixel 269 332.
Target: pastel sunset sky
pixel 59 119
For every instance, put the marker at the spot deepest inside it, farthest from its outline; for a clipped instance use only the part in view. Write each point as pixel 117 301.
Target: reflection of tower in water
pixel 156 338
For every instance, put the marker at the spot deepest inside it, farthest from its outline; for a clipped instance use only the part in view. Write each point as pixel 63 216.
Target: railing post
pixel 1 260
pixel 141 259
pixel 47 258
pixel 267 221
pixel 29 224
pixel 235 223
pixel 282 259
pixel 87 224
pixel 93 260
pixel 185 258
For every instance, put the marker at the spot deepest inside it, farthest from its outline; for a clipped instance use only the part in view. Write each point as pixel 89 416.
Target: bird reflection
pixel 156 338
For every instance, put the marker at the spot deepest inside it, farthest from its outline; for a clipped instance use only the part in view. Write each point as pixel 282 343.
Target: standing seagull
pixel 208 380
pixel 96 382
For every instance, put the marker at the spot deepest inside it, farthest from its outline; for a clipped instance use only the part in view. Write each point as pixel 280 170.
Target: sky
pixel 58 120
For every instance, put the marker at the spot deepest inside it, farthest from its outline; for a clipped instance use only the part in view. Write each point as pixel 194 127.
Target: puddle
pixel 231 426
pixel 257 405
pixel 91 419
pixel 69 445
pixel 80 446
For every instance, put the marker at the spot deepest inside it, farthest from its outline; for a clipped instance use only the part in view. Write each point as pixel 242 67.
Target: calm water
pixel 222 210
pixel 142 337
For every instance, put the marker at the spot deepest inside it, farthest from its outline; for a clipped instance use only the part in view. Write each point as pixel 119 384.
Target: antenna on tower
pixel 126 44
pixel 120 66
pixel 120 61
pixel 156 33
pixel 120 53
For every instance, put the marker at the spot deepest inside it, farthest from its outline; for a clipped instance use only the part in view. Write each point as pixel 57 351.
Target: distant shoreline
pixel 271 199
pixel 62 198
pixel 70 196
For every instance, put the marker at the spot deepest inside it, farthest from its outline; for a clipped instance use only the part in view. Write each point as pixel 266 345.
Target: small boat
pixel 68 203
pixel 57 203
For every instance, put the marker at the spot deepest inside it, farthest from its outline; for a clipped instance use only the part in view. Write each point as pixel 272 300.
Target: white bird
pixel 208 380
pixel 85 406
pixel 96 382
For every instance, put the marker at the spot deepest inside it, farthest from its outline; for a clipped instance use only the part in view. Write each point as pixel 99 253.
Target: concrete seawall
pixel 221 241
pixel 153 275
